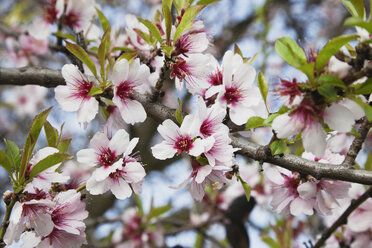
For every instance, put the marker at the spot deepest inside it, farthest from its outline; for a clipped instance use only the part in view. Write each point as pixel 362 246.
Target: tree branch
pixel 343 218
pixel 52 78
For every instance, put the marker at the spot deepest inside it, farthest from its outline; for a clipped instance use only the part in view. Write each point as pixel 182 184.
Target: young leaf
pixel 128 56
pixel 179 5
pixel 364 88
pixel 237 50
pixel 103 20
pixel 65 36
pixel 290 52
pixel 328 91
pixel 102 51
pixel 158 211
pixel 206 2
pixel 48 162
pixel 139 204
pixel 262 85
pixel 368 164
pixel 63 145
pixel 51 134
pixel 246 188
pixel 355 7
pixel 366 107
pixel 357 21
pixel 270 241
pixel 33 135
pixel 278 147
pixel 95 91
pixel 81 54
pixel 178 113
pixel 13 154
pixel 4 162
pixel 327 79
pixel 331 48
pixel 168 18
pixel 254 122
pixel 186 21
pixel 153 29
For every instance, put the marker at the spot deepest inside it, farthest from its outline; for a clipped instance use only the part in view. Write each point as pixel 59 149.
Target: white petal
pixel 202 173
pixel 163 151
pixel 299 206
pixel 314 139
pixel 71 74
pixel 307 190
pixel 65 98
pixel 87 156
pixel 88 110
pixel 339 118
pixel 169 130
pixel 134 172
pixel 197 190
pixel 240 114
pixel 119 142
pixel 190 125
pixel 132 144
pixel 99 141
pixel 42 224
pixel 121 189
pixel 131 111
pixel 97 188
pixel 120 72
pixel 198 147
pixel 245 74
pixel 284 126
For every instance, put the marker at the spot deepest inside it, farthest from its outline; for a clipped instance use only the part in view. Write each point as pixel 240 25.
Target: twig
pixel 5 222
pixel 343 218
pixel 356 146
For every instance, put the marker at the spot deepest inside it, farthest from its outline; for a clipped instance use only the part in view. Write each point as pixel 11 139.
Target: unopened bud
pixel 7 196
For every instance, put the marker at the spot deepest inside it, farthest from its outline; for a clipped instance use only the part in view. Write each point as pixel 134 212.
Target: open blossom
pixel 44 179
pixel 78 14
pixel 307 117
pixel 128 81
pixel 117 168
pixel 180 139
pixel 237 92
pixel 74 96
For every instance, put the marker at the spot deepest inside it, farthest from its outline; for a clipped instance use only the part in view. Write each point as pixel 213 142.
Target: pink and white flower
pixel 74 96
pixel 181 139
pixel 237 93
pixel 128 81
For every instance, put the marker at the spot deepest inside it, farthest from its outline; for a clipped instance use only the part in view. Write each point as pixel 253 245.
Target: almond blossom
pixel 237 92
pixel 117 168
pixel 74 96
pixel 128 81
pixel 180 139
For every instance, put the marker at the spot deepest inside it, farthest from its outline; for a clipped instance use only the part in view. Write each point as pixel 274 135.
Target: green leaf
pixel 269 120
pixel 290 52
pixel 153 29
pixel 48 162
pixel 178 115
pixel 328 91
pixel 143 35
pixel 308 69
pixel 102 52
pixel 63 145
pixel 179 5
pixel 128 56
pixel 355 7
pixel 81 54
pixel 254 122
pixel 36 126
pixel 167 50
pixel 357 21
pixel 278 147
pixel 168 18
pixel 327 79
pixel 5 163
pixel 13 154
pixel 186 21
pixel 368 164
pixel 202 160
pixel 206 2
pixel 263 86
pixel 237 50
pixel 51 134
pixel 364 88
pixel 139 204
pixel 331 48
pixel 270 241
pixel 65 36
pixel 246 188
pixel 366 107
pixel 199 241
pixel 103 20
pixel 158 211
pixel 95 90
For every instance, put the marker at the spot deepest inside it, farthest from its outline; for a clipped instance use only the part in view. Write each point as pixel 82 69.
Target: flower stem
pixel 5 223
pixel 81 187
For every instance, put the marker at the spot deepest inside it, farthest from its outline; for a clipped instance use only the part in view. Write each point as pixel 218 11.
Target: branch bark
pixel 52 78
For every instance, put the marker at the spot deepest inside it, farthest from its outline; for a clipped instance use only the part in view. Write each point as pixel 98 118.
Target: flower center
pixel 232 95
pixel 106 157
pixel 183 143
pixel 125 90
pixel 71 20
pixel 83 89
pixel 180 69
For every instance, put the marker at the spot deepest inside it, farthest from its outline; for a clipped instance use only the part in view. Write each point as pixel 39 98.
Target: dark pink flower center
pixel 71 20
pixel 183 45
pixel 83 88
pixel 115 176
pixel 183 143
pixel 125 90
pixel 206 128
pixel 232 95
pixel 291 183
pixel 216 78
pixel 288 88
pixel 50 12
pixel 106 157
pixel 306 112
pixel 180 69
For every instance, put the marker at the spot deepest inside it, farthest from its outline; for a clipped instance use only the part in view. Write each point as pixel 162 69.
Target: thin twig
pixel 343 218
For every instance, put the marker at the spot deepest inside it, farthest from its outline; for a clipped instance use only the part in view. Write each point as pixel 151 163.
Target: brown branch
pixel 343 218
pixel 159 112
pixel 356 146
